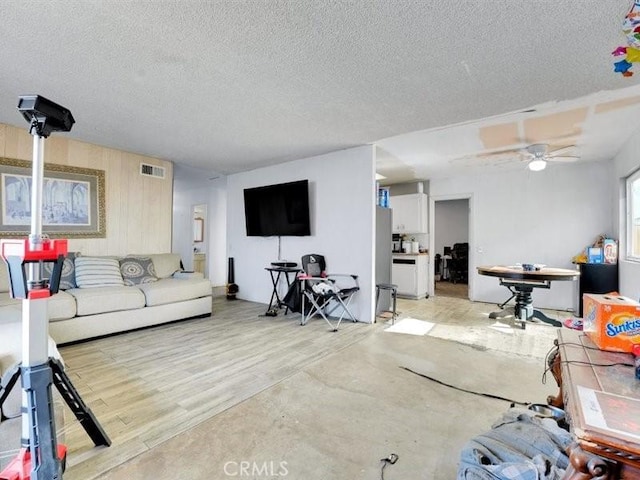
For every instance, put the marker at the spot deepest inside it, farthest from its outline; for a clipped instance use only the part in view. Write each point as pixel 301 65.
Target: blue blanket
pixel 520 446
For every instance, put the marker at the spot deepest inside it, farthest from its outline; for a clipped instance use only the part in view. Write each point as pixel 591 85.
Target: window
pixel 633 216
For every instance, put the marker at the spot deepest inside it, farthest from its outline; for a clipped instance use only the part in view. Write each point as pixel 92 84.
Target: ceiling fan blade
pixel 488 159
pixel 561 149
pixel 562 158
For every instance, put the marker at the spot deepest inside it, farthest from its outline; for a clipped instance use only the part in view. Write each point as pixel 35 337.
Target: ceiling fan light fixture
pixel 537 164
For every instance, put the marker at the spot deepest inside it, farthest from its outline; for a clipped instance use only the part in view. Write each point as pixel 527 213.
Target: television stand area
pixel 284 264
pixel 276 273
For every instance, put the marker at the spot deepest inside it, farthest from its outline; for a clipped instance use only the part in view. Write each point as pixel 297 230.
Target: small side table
pixel 394 292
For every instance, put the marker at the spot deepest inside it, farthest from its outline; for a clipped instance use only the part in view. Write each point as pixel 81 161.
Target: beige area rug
pixel 534 341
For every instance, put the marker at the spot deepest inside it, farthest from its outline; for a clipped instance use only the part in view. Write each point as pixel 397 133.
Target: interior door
pixel 451 227
pixel 198 238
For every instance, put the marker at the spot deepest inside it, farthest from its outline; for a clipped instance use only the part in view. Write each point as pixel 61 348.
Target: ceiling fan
pixel 539 155
pixel 536 155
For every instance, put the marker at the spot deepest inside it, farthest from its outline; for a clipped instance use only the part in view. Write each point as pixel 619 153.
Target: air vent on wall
pixel 151 170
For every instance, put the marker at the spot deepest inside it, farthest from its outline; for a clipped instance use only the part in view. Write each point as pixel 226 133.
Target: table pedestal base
pixel 523 310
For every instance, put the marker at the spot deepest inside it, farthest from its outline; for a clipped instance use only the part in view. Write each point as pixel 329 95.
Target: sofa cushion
pixel 91 301
pixel 92 272
pixel 171 290
pixel 59 307
pixel 5 300
pixel 166 264
pixel 4 277
pixel 68 277
pixel 137 270
pixel 10 308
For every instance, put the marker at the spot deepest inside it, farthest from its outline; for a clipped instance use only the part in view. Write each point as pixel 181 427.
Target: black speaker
pixel 232 288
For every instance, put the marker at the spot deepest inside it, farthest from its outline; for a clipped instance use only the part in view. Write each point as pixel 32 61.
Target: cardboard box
pixel 612 322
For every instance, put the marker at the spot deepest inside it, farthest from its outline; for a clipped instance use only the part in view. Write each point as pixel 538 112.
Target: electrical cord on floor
pixel 488 395
pixel 550 357
pixel 390 460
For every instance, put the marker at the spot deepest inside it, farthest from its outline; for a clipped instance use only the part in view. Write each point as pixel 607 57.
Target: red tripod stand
pixel 40 457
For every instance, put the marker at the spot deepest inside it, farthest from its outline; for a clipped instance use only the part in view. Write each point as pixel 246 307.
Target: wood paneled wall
pixel 138 208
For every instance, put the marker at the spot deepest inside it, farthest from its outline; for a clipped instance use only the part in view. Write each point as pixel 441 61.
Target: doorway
pixel 450 244
pixel 199 223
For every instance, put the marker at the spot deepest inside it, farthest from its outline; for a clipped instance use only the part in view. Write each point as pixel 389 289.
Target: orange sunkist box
pixel 611 321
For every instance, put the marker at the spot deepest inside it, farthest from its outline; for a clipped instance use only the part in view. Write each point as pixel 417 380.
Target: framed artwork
pixel 73 204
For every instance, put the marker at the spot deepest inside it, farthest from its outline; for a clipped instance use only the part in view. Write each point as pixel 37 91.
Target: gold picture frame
pixel 73 200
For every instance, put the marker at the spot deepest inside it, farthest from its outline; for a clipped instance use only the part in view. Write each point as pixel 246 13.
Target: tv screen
pixel 277 210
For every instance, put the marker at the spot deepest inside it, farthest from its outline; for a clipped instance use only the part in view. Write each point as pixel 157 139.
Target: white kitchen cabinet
pixel 409 272
pixel 410 213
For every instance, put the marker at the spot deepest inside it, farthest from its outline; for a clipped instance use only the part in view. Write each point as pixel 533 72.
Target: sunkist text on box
pixel 611 321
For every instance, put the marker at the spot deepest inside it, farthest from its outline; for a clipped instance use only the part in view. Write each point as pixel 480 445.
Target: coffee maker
pixel 396 243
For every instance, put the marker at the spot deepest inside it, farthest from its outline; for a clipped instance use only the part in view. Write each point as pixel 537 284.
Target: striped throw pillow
pixel 94 272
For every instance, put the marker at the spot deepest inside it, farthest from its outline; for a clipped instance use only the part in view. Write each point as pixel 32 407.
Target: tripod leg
pixel 78 407
pixel 36 383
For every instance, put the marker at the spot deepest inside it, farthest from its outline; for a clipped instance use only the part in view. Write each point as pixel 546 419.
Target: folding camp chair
pixel 325 292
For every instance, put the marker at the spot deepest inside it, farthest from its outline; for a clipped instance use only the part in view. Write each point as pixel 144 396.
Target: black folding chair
pixel 325 292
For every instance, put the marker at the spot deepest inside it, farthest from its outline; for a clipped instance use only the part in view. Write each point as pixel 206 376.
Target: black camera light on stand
pixel 40 457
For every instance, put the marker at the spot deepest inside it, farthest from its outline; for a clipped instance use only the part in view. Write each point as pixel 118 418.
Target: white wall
pixel 533 217
pixel 627 161
pixel 217 230
pixel 342 201
pixel 451 224
pixel 180 239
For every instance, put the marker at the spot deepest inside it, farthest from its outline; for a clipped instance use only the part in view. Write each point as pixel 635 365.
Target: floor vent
pixel 151 170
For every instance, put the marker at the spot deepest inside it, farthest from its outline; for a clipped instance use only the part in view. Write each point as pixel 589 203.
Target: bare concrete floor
pixel 336 418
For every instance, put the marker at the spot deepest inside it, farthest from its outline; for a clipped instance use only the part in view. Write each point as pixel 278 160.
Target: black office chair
pixel 459 263
pixel 325 292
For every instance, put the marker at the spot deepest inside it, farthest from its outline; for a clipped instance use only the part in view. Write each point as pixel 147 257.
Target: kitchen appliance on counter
pixel 396 243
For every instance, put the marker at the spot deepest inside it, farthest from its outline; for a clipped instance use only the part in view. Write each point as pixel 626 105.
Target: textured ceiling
pixel 233 85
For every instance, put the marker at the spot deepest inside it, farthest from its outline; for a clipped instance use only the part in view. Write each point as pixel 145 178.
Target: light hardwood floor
pixel 450 289
pixel 149 385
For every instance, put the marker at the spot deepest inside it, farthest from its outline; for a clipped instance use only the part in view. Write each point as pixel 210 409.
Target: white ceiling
pixel 229 86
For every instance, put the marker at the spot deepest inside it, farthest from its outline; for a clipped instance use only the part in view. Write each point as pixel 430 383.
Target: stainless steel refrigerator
pixel 383 255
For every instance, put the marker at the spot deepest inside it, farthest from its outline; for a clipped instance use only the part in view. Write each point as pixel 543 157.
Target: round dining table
pixel 521 282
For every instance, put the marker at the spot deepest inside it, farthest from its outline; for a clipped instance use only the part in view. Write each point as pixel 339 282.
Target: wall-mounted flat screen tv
pixel 277 210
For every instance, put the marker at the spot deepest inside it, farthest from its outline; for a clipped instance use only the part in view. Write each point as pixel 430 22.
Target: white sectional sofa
pixel 101 303
pixel 99 296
